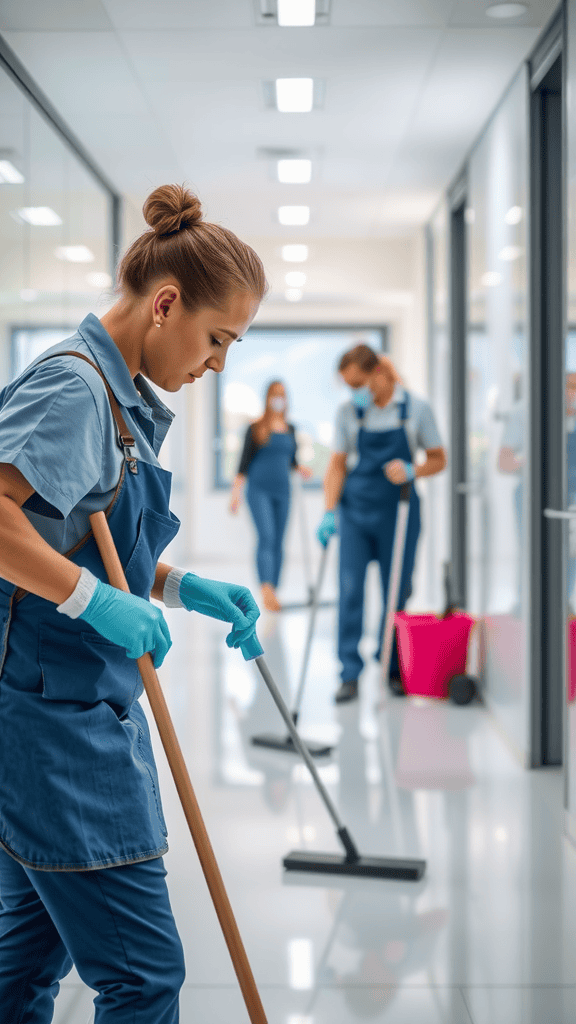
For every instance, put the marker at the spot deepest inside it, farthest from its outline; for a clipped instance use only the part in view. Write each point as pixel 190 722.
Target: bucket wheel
pixel 462 689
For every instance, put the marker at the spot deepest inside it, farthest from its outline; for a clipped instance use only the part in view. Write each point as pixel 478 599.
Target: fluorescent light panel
pixel 39 216
pixel 294 215
pixel 512 10
pixel 510 252
pixel 490 279
pixel 295 279
pixel 294 172
pixel 294 95
pixel 294 253
pixel 74 253
pixel 296 13
pixel 97 279
pixel 514 215
pixel 10 175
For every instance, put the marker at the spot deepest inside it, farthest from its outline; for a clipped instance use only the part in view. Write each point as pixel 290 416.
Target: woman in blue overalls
pixel 81 827
pixel 268 455
pixel 368 494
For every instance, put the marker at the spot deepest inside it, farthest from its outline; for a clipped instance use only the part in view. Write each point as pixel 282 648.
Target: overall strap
pixel 125 439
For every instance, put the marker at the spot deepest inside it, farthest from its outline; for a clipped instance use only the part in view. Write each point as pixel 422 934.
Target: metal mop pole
pixel 395 578
pixel 284 743
pixel 351 851
pixel 186 793
pixel 311 624
pixel 305 539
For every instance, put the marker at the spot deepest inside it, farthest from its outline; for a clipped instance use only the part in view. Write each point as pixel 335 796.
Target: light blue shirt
pixel 57 428
pixel 421 429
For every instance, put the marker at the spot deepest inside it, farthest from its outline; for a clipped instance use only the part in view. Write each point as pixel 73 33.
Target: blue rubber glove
pixel 410 470
pixel 228 602
pixel 327 528
pixel 128 621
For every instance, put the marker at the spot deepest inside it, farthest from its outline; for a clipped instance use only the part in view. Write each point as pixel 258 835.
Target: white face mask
pixel 278 404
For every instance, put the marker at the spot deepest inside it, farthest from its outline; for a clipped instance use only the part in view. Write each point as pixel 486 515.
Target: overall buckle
pixel 127 442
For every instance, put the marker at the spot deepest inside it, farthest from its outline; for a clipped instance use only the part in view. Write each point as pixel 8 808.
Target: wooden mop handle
pixel 186 793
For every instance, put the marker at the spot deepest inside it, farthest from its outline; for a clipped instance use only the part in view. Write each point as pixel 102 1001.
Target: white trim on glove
pixel 81 596
pixel 171 592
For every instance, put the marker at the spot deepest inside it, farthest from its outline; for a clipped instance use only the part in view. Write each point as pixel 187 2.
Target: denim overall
pixel 368 509
pixel 268 497
pixel 78 783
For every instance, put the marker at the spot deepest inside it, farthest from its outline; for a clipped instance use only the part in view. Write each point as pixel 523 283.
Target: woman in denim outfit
pixel 82 833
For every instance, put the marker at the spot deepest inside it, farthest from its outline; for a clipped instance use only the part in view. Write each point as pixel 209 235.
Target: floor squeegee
pixel 352 863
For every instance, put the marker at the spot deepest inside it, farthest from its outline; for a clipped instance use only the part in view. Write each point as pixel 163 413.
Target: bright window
pixel 305 360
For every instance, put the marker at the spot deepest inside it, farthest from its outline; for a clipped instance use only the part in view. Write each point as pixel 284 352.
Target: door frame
pixel 546 474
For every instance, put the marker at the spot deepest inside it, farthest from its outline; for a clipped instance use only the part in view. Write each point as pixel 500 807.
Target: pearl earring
pixel 159 325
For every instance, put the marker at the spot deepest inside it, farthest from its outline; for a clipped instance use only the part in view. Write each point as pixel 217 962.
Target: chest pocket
pixel 84 667
pixel 155 531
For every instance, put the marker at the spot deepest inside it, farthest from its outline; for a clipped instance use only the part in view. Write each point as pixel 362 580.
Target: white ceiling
pixel 170 90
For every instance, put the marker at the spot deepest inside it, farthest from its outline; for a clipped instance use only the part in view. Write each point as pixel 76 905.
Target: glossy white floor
pixel 487 937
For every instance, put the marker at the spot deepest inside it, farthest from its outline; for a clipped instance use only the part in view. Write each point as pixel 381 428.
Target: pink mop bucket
pixel 431 650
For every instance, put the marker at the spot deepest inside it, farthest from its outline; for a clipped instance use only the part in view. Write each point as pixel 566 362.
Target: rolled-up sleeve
pixel 50 430
pixel 341 432
pixel 428 435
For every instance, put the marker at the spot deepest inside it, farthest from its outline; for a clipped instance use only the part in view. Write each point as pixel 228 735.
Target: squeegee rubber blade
pixel 286 745
pixel 398 868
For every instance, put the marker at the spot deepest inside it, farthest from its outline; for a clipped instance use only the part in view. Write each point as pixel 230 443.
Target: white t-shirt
pixel 421 429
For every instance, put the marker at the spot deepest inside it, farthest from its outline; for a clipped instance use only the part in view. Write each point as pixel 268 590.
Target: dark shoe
pixel 396 685
pixel 348 691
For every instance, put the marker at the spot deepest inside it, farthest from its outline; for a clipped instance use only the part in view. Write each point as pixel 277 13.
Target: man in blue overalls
pixel 377 436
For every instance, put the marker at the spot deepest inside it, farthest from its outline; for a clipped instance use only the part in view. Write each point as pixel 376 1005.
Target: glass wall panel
pixel 13 109
pixel 438 505
pixel 497 354
pixel 55 225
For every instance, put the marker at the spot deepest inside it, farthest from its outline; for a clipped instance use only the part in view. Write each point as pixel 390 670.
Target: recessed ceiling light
pixel 514 215
pixel 74 253
pixel 295 279
pixel 294 253
pixel 295 95
pixel 296 12
pixel 294 172
pixel 10 175
pixel 293 294
pixel 98 279
pixel 490 279
pixel 295 215
pixel 39 216
pixel 512 10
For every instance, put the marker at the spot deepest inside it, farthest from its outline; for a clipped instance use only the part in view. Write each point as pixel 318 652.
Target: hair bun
pixel 171 208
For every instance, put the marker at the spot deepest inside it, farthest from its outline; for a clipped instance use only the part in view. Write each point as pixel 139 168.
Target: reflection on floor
pixel 487 937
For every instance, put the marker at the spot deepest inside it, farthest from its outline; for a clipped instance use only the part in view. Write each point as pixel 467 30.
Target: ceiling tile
pixel 473 14
pixel 181 14
pixel 53 16
pixel 390 12
pixel 82 72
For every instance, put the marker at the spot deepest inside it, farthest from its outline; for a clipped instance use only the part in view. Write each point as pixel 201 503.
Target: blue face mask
pixel 362 397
